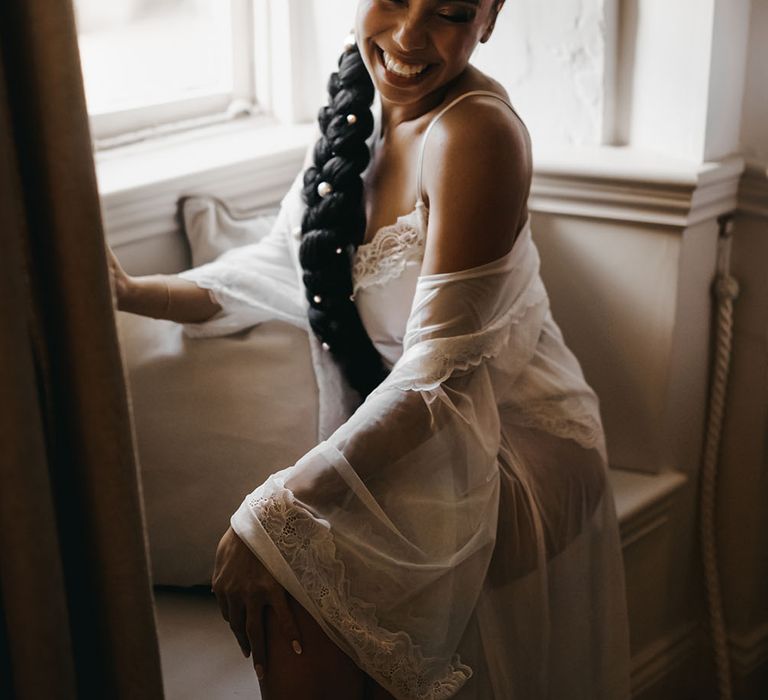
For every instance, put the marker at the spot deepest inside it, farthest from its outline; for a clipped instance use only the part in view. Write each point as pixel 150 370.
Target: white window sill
pixel 250 163
pixel 180 157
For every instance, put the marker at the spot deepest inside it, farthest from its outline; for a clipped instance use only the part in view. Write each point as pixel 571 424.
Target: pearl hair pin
pixel 324 189
pixel 351 119
pixel 339 251
pixel 317 299
pixel 326 346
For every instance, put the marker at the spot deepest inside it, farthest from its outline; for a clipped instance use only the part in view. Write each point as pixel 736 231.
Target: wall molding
pixel 651 665
pixel 749 650
pixel 249 165
pixel 753 191
pixel 252 167
pixel 625 185
pixel 643 501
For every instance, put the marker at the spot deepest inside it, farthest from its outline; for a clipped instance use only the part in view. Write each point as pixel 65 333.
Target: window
pixel 158 65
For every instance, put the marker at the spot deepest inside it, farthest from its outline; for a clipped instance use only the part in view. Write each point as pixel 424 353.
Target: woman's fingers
pixel 223 605
pixel 243 587
pixel 238 623
pixel 286 619
pixel 254 628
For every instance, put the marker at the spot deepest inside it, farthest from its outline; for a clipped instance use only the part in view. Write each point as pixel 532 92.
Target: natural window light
pixel 147 63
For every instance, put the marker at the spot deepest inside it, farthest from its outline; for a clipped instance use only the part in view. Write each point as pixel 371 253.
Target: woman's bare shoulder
pixel 476 178
pixel 487 138
pixel 480 124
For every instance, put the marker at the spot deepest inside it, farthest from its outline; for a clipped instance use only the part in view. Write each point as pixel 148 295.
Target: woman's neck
pixel 395 114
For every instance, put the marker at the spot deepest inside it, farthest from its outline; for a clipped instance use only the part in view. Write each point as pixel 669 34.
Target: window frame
pixel 110 129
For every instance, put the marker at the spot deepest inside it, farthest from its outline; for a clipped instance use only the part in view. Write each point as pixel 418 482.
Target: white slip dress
pixel 455 534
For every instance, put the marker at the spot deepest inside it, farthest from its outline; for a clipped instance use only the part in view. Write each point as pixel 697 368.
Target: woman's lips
pixel 396 72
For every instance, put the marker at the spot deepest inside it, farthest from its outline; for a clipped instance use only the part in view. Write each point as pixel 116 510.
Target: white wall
pixel 325 24
pixel 664 78
pixel 754 126
pixel 555 59
pixel 727 76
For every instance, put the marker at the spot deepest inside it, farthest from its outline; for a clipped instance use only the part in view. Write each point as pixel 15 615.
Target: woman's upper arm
pixel 477 173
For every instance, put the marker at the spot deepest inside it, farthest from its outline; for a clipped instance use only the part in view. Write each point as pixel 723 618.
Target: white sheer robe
pixel 455 535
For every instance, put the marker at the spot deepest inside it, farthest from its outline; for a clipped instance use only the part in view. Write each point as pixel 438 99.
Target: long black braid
pixel 334 222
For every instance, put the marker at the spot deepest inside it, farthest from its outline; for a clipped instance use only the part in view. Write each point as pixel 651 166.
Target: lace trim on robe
pixel 584 430
pixel 441 357
pixel 307 545
pixel 384 258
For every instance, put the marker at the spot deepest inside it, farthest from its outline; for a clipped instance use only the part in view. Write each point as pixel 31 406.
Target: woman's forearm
pixel 167 297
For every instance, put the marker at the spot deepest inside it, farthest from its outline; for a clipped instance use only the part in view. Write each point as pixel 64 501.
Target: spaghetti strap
pixel 486 93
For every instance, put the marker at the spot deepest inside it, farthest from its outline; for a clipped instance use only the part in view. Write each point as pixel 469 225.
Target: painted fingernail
pixel 259 672
pixel 296 646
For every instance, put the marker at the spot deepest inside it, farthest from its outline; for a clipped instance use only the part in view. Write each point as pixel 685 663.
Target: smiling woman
pixel 412 51
pixel 452 534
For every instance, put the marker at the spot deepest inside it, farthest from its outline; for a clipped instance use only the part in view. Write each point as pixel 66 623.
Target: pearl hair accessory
pixel 317 299
pixel 338 251
pixel 324 189
pixel 326 346
pixel 351 119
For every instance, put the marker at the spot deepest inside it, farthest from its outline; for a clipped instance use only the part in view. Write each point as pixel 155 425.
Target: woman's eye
pixel 460 17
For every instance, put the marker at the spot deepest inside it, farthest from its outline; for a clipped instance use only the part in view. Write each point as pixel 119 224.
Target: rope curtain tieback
pixel 726 289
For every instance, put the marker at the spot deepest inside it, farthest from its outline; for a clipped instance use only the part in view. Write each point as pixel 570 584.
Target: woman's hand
pixel 160 296
pixel 244 587
pixel 120 279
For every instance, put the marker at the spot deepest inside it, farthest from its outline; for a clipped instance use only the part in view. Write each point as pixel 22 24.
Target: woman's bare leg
pixel 321 672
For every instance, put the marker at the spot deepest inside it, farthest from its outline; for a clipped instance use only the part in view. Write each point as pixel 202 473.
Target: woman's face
pixel 414 47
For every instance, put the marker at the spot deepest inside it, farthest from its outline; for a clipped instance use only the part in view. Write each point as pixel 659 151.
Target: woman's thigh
pixel 321 672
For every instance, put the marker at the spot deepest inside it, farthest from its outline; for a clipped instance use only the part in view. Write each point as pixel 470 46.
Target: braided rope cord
pixel 726 289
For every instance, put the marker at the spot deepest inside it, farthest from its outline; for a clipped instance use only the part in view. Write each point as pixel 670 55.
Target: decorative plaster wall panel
pixel 555 59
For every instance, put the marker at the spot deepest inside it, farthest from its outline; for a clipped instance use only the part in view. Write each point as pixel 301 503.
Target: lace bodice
pixel 386 255
pixel 384 275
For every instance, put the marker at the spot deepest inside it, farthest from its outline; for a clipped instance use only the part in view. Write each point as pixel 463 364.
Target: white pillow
pixel 214 417
pixel 212 228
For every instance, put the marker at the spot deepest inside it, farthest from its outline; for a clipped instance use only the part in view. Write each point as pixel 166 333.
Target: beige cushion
pixel 213 416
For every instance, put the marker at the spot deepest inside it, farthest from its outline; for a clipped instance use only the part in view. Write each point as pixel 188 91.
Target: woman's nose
pixel 410 34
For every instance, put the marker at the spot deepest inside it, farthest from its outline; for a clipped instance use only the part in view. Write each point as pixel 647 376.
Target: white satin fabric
pixel 455 535
pixel 384 275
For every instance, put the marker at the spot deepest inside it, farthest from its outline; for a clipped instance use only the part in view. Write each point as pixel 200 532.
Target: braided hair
pixel 334 223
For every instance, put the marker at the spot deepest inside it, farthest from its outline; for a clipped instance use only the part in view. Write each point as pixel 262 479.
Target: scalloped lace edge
pixel 586 431
pixel 466 351
pixel 308 547
pixel 386 255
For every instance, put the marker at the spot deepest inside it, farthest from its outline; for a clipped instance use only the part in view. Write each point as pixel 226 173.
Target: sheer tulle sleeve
pixel 256 282
pixel 384 531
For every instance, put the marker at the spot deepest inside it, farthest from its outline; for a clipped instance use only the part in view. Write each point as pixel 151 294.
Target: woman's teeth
pixel 404 70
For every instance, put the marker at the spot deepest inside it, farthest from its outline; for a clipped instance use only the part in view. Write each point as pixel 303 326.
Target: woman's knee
pixel 321 672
